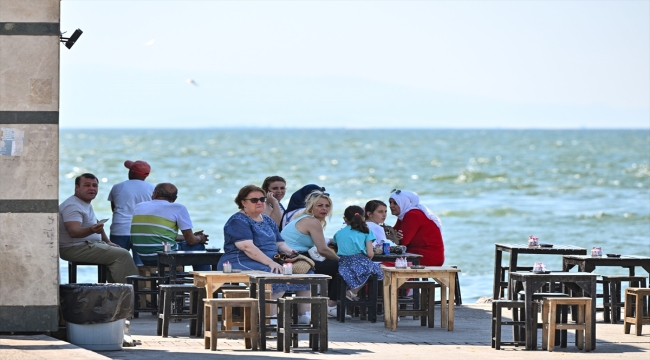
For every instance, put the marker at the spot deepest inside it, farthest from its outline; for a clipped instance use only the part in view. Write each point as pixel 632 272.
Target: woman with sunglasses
pixel 419 228
pixel 306 231
pixel 274 187
pixel 251 239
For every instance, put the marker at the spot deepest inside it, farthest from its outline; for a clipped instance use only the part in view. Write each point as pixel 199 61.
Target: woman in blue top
pixel 355 251
pixel 306 231
pixel 251 239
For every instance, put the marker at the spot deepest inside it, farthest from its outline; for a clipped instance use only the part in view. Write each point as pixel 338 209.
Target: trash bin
pixel 95 314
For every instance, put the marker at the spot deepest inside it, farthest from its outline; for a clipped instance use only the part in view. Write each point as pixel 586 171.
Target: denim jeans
pixel 183 246
pixel 124 241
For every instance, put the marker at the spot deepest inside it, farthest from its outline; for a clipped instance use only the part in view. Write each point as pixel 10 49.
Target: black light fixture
pixel 72 39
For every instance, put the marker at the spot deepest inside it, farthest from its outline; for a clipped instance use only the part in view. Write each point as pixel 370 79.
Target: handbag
pixel 301 265
pixel 391 233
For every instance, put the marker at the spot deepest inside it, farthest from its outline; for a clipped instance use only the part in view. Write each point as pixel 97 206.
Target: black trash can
pixel 95 314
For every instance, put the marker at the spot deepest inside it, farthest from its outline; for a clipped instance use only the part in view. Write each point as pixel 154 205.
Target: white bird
pixel 191 81
pixel 150 42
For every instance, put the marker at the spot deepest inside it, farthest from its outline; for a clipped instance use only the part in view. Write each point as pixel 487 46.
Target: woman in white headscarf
pixel 419 227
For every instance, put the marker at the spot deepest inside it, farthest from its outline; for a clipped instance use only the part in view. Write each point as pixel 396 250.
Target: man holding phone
pixel 82 237
pixel 158 221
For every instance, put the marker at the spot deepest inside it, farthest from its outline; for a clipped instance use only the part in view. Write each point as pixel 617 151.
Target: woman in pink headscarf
pixel 419 227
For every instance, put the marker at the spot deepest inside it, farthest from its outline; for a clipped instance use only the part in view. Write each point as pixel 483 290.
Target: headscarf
pixel 407 201
pixel 297 200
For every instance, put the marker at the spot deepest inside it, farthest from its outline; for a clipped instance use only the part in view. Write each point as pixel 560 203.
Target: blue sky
pixel 362 64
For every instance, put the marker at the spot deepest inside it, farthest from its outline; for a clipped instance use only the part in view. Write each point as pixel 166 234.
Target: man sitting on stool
pixel 82 238
pixel 158 221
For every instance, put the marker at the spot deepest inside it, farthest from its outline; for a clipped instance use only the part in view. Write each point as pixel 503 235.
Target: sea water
pixel 567 187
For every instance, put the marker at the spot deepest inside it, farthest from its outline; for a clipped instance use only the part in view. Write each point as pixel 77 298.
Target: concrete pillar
pixel 29 165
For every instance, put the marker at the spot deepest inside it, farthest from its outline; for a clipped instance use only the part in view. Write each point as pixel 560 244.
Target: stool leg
pixel 167 310
pixel 564 333
pixel 254 320
pixel 551 327
pixel 497 334
pixel 214 327
pixel 322 323
pixel 638 309
pixel 247 327
pixel 207 335
pixel 193 310
pixel 280 327
pixel 588 336
pixel 545 325
pixel 607 301
pixel 286 346
pixel 580 334
pixel 613 290
pixel 431 306
pixel 494 305
pixel 629 298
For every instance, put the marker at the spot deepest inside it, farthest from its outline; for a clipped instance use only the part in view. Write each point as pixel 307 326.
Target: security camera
pixel 72 39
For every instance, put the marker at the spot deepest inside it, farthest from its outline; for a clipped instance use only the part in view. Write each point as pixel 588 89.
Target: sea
pixel 585 188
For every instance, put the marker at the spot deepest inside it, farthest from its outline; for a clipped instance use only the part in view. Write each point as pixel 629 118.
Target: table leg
pixel 531 318
pixel 394 302
pixel 444 304
pixel 497 274
pixel 259 290
pixel 512 292
pixel 452 289
pixel 386 295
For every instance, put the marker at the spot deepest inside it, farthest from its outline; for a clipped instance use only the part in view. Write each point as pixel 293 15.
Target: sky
pixel 356 64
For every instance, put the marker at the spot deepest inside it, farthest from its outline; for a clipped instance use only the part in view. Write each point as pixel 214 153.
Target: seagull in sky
pixel 191 81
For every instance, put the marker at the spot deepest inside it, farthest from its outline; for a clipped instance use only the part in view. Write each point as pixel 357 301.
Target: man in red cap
pixel 123 197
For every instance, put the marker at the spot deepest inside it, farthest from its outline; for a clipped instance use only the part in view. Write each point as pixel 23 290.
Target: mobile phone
pixel 102 221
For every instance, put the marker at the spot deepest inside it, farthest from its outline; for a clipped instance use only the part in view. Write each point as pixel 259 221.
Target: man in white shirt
pixel 123 197
pixel 82 237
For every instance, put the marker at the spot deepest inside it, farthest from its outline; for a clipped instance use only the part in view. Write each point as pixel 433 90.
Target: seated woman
pixel 418 226
pixel 297 203
pixel 375 217
pixel 251 239
pixel 306 231
pixel 274 187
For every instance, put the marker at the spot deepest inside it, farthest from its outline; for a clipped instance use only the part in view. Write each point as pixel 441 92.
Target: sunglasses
pixel 319 193
pixel 396 191
pixel 255 200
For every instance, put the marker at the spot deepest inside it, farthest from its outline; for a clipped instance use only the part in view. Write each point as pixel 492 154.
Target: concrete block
pixel 30 11
pixel 29 80
pixel 29 259
pixel 35 173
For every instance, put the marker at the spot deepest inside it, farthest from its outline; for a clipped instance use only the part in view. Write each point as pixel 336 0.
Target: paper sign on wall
pixel 11 142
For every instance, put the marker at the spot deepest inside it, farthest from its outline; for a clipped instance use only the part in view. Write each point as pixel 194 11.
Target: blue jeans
pixel 124 241
pixel 183 246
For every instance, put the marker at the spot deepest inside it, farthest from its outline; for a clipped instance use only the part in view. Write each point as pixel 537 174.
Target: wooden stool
pixel 102 271
pixel 211 315
pixel 167 295
pixel 140 303
pixel 634 301
pixel 288 329
pixel 562 315
pixel 426 307
pixel 612 301
pixel 497 322
pixel 582 325
pixel 230 321
pixel 367 299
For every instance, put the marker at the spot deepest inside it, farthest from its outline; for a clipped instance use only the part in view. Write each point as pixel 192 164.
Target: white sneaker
pixel 304 319
pixel 331 311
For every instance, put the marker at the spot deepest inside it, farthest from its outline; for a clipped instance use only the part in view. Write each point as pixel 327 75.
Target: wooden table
pixel 516 249
pixel 588 264
pixel 174 258
pixel 213 280
pixel 260 280
pixel 394 278
pixel 581 283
